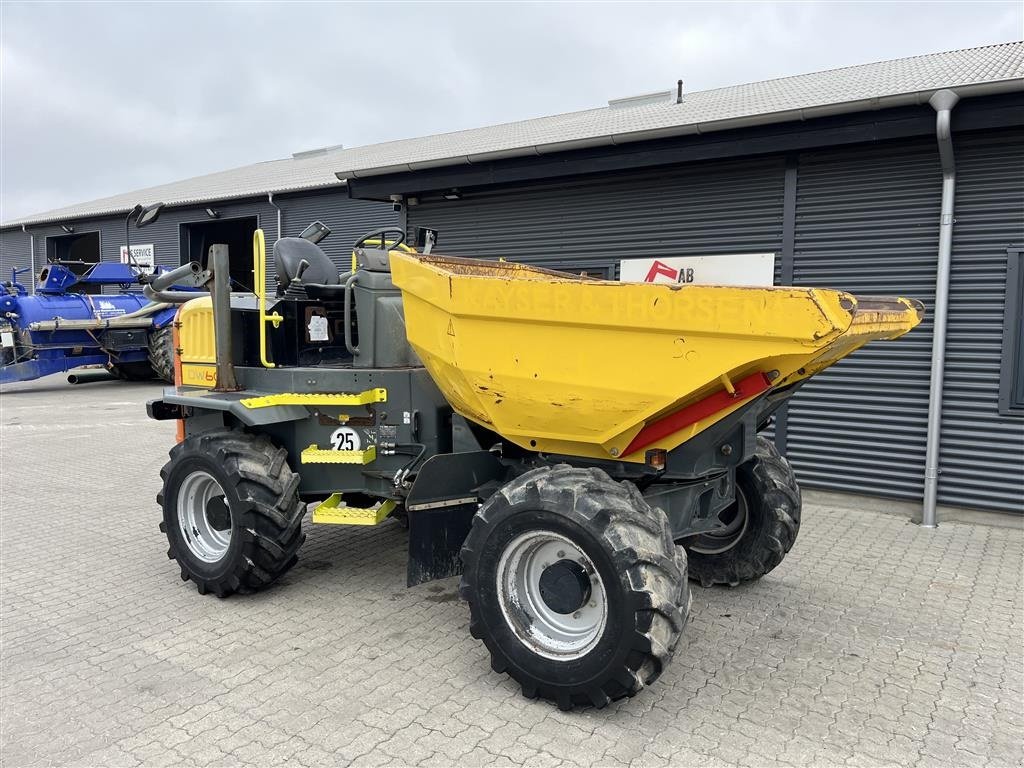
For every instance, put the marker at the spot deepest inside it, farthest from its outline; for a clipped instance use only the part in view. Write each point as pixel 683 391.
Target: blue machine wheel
pixel 161 353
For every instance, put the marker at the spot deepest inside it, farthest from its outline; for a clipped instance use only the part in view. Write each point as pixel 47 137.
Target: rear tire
pixel 575 586
pixel 765 522
pixel 161 353
pixel 231 512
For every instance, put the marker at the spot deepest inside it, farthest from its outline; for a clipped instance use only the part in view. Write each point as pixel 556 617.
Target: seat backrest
pixel 290 252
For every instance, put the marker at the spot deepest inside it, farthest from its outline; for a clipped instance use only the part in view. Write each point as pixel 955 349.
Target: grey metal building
pixel 839 174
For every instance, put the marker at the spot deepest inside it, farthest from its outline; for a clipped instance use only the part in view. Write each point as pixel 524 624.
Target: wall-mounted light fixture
pixel 452 194
pixel 69 228
pixel 213 213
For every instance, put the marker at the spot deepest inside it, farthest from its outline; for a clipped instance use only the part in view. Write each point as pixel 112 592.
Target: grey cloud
pixel 106 97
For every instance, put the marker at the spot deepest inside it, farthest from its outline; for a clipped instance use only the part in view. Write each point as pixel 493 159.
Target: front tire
pixel 575 586
pixel 760 527
pixel 231 512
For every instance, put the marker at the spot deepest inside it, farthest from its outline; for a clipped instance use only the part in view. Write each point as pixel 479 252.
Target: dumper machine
pixel 575 448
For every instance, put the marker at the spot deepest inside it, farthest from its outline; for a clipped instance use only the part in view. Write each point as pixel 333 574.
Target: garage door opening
pixel 77 252
pixel 197 237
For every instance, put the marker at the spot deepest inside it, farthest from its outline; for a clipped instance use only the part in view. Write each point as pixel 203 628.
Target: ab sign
pixel 732 269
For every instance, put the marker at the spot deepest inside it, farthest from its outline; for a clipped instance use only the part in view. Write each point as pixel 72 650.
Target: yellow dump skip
pixel 571 365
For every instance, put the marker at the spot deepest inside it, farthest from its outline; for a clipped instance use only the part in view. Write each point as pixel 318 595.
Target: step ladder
pixel 334 511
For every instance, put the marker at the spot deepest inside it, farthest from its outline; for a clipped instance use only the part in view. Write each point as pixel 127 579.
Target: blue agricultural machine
pixel 62 327
pixel 59 329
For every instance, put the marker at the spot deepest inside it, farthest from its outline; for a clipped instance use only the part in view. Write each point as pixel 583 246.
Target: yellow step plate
pixel 314 455
pixel 378 395
pixel 334 512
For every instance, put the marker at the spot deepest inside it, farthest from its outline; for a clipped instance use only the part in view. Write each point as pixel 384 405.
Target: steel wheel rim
pixel 201 535
pixel 722 540
pixel 560 636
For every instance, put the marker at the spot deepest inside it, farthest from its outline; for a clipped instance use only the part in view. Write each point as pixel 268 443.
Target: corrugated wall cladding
pixel 982 452
pixel 591 223
pixel 347 219
pixel 14 254
pixel 867 222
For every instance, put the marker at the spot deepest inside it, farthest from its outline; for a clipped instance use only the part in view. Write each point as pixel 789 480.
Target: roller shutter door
pixel 982 453
pixel 348 220
pixel 866 222
pixel 591 222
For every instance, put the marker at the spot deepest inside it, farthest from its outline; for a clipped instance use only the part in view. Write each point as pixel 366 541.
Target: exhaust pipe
pixel 190 275
pixel 221 294
pixel 89 375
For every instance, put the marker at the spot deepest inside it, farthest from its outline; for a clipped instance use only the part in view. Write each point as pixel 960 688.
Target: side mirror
pixel 146 216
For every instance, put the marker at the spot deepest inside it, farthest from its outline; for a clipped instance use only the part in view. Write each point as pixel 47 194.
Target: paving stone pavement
pixel 875 643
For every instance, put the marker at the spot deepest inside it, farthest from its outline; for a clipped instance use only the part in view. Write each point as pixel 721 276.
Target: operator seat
pixel 300 263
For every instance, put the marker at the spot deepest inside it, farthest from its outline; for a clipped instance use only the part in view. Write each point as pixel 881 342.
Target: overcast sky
pixel 102 98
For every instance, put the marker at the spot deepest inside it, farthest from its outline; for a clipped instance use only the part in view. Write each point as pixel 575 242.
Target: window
pixel 1011 376
pixel 77 252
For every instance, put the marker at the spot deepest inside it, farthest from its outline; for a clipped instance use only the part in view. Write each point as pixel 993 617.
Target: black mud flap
pixel 441 504
pixel 435 538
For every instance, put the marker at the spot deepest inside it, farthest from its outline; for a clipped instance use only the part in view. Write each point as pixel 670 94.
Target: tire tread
pixel 269 523
pixel 775 502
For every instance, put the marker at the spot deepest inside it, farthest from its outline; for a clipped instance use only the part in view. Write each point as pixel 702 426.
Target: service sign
pixel 732 269
pixel 143 256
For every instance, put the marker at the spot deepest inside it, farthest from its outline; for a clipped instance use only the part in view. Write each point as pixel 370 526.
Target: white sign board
pixel 732 269
pixel 143 256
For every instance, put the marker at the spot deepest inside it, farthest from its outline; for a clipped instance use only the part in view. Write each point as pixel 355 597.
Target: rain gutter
pixel 747 121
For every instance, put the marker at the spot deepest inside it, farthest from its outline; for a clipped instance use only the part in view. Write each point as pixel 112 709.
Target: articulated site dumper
pixel 575 448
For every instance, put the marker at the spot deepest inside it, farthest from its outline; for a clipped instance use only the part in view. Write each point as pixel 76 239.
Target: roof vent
pixel 644 99
pixel 314 152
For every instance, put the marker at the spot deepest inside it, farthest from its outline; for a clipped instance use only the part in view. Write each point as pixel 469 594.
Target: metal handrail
pixel 259 269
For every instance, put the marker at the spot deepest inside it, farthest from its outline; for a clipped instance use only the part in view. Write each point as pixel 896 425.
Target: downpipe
pixel 943 103
pixel 270 199
pixel 31 259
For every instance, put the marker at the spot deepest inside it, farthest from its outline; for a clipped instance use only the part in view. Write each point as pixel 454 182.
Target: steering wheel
pixel 379 234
